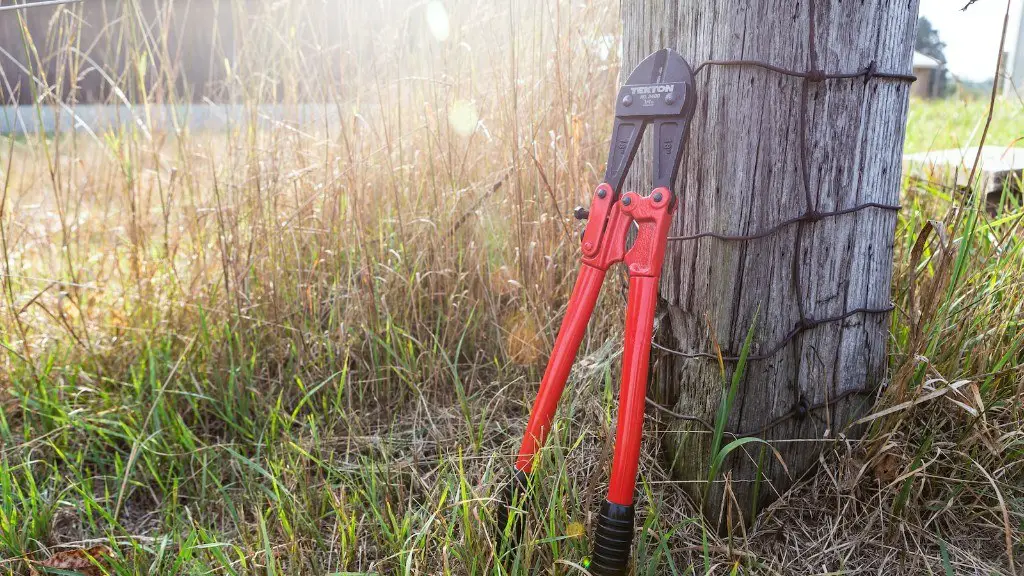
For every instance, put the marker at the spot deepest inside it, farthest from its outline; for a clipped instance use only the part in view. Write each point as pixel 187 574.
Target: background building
pixel 1014 82
pixel 929 72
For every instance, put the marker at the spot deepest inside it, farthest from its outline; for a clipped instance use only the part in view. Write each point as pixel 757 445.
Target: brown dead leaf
pixel 887 468
pixel 86 561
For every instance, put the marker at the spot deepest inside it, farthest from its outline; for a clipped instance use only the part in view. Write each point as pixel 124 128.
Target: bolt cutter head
pixel 660 91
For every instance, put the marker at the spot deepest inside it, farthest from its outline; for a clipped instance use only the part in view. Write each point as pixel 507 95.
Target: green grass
pixel 956 123
pixel 279 352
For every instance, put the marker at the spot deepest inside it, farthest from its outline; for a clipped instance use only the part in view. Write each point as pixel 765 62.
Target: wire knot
pixel 801 409
pixel 870 71
pixel 805 323
pixel 816 76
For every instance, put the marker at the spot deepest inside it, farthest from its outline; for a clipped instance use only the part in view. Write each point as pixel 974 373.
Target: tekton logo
pixel 652 89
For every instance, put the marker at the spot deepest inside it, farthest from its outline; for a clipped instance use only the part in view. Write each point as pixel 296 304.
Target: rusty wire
pixel 869 72
pixel 810 216
pixel 800 410
pixel 802 325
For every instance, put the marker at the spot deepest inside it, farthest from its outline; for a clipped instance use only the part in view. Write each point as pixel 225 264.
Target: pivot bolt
pixel 581 213
pixel 626 201
pixel 602 193
pixel 657 197
pixel 627 100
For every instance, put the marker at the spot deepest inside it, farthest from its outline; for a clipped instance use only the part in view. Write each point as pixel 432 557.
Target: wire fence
pixel 810 216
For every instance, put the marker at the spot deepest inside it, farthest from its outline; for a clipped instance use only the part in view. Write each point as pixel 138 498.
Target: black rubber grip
pixel 513 492
pixel 612 540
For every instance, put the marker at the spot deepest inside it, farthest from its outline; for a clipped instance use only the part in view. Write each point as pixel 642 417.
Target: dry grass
pixel 309 347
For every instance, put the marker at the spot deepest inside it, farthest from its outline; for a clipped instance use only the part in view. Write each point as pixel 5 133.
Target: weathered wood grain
pixel 742 174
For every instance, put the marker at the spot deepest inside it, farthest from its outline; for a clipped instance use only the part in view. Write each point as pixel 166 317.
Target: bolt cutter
pixel 660 93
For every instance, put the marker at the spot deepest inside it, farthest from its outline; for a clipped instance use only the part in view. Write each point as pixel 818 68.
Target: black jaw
pixel 659 91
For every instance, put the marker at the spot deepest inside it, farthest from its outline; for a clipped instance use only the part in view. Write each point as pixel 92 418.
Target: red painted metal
pixel 643 297
pixel 574 325
pixel 600 207
pixel 653 215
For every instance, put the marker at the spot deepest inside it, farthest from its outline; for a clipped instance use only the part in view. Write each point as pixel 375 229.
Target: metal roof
pixel 925 61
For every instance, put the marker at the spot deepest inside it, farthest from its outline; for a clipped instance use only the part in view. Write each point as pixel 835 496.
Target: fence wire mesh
pixel 810 216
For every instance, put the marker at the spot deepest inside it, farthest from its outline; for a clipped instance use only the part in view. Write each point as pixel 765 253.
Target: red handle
pixel 653 215
pixel 574 325
pixel 643 299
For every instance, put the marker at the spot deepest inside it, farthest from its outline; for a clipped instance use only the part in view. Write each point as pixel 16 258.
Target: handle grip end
pixel 613 540
pixel 509 535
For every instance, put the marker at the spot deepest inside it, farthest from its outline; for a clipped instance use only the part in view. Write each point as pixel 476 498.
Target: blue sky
pixel 972 36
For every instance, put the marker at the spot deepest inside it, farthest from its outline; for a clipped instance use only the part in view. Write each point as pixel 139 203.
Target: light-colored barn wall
pixel 1015 81
pixel 922 87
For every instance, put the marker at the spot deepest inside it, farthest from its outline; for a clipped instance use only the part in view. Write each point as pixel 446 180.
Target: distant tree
pixel 928 41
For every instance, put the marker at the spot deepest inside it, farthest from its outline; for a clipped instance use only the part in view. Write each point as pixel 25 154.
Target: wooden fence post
pixel 788 194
